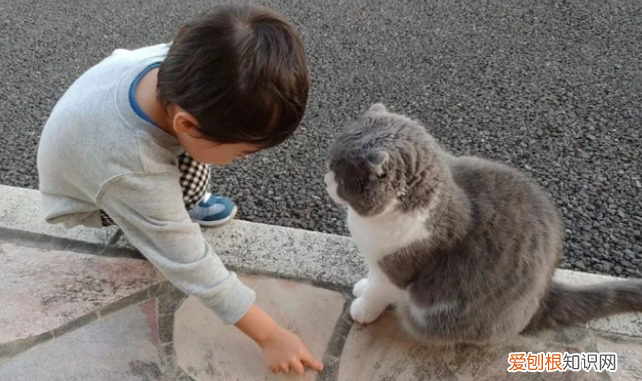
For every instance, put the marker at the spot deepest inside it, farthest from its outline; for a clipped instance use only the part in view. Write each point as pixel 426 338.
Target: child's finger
pixel 298 368
pixel 285 368
pixel 312 363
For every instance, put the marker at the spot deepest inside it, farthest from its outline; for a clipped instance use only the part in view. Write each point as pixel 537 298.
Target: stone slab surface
pixel 629 356
pixel 21 209
pixel 120 347
pixel 42 289
pixel 288 252
pixel 209 351
pixel 382 351
pixel 624 324
pixel 335 259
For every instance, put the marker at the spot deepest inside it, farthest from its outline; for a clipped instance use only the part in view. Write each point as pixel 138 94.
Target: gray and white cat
pixel 464 247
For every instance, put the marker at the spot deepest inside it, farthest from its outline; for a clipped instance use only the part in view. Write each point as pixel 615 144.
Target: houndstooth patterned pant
pixel 195 181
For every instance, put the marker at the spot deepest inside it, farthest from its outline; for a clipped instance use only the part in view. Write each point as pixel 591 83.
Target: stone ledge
pixel 331 260
pixel 21 209
pixel 291 253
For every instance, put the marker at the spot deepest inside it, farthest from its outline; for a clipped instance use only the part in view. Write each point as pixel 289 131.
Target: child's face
pixel 202 150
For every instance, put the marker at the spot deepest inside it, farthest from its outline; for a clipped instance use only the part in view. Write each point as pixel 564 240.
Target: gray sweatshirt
pixel 96 153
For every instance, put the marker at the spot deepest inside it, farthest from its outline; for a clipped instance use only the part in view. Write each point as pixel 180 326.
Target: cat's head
pixel 377 160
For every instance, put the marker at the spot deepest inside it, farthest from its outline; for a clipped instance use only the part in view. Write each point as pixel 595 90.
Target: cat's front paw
pixel 361 313
pixel 359 288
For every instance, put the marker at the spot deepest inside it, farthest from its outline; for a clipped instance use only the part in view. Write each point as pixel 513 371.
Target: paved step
pixel 382 351
pixel 43 293
pixel 209 351
pixel 123 346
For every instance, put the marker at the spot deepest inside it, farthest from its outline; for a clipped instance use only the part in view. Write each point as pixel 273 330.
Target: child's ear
pixel 185 123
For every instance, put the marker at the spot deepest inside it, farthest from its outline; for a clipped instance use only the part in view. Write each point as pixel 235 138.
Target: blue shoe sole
pixel 220 222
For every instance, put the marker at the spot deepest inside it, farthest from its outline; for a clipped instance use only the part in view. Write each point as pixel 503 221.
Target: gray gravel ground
pixel 553 87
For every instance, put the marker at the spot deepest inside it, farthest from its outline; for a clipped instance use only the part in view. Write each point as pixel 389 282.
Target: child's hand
pixel 284 351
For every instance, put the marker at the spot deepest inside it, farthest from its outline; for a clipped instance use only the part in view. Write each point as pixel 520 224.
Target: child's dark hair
pixel 241 71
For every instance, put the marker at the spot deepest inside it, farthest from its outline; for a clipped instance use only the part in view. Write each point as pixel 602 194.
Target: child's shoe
pixel 213 210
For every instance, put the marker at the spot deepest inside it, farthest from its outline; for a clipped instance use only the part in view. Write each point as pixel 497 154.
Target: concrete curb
pixel 21 210
pixel 328 260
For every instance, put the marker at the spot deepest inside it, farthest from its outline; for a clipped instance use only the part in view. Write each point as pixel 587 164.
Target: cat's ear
pixel 377 159
pixel 377 107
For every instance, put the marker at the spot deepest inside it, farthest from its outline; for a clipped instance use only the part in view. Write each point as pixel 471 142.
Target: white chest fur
pixel 381 235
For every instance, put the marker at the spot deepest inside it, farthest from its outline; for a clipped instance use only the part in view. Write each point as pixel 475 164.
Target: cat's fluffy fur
pixel 464 247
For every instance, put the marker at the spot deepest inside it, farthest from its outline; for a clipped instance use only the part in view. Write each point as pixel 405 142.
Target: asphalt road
pixel 553 87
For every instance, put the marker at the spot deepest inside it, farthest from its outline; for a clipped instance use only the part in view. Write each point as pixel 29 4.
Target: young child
pixel 126 142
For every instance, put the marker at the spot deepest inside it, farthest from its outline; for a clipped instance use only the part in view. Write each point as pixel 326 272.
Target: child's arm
pixel 283 350
pixel 149 209
pixel 146 209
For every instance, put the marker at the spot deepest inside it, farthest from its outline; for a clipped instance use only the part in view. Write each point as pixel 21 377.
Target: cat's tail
pixel 565 305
